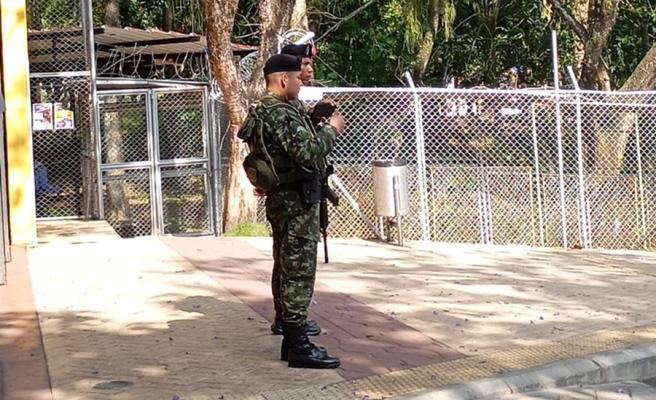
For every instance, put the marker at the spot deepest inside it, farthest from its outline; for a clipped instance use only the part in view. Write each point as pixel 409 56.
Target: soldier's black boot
pixel 311 327
pixel 303 354
pixel 284 349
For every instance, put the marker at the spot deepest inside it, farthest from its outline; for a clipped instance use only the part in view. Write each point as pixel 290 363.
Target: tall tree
pixel 240 204
pixel 429 20
pixel 644 76
pixel 594 34
pixel 299 15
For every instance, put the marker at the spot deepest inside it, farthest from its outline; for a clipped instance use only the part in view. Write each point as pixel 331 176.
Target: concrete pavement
pixel 189 317
pixel 611 391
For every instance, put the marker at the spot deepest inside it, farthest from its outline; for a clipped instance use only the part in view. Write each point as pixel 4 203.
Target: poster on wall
pixel 42 116
pixel 64 119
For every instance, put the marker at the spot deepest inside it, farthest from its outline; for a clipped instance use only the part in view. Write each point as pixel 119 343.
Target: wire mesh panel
pixel 63 150
pixel 181 125
pixel 123 128
pixel 455 204
pixel 62 128
pixel 552 209
pixel 165 134
pixel 611 179
pixel 127 201
pixel 614 210
pixel 512 205
pixel 381 126
pixel 57 41
pixel 505 167
pixel 490 139
pixel 127 193
pixel 644 165
pixel 185 200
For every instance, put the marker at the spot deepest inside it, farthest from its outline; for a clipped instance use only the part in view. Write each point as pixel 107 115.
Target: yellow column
pixel 20 171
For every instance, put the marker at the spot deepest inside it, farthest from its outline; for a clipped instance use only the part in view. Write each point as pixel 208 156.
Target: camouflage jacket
pixel 291 141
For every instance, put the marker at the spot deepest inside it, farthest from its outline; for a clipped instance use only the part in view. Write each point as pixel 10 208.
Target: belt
pixel 287 186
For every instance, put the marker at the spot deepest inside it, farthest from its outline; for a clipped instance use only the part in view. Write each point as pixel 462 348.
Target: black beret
pixel 299 50
pixel 282 63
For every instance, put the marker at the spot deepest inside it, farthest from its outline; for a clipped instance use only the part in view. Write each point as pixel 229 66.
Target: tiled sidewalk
pixel 134 319
pixel 367 341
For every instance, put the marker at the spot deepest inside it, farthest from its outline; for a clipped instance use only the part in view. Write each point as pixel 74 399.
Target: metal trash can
pixel 384 173
pixel 391 191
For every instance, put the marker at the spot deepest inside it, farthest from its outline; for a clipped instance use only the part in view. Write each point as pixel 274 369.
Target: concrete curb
pixel 631 364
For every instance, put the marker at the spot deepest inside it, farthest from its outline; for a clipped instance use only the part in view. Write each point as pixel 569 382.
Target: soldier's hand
pixel 337 122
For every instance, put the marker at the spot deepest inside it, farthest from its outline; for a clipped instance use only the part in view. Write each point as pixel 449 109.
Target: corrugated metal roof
pixel 67 44
pixel 178 42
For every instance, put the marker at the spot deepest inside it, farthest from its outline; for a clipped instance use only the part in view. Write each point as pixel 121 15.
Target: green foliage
pixel 185 15
pixel 477 40
pixel 249 229
pixel 634 34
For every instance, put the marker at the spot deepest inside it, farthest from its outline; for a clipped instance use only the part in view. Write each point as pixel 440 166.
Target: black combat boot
pixel 284 349
pixel 311 327
pixel 303 354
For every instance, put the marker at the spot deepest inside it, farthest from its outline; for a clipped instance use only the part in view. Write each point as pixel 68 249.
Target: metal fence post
pixel 421 160
pixel 153 153
pixel 641 185
pixel 215 160
pixel 559 136
pixel 586 241
pixel 538 179
pixel 94 113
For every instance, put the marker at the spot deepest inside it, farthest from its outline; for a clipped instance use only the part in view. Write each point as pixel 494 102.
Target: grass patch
pixel 249 229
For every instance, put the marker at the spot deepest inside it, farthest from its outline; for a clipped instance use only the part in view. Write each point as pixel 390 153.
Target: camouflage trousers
pixel 294 260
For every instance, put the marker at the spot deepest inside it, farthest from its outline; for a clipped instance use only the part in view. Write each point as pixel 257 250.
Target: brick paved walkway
pixel 133 319
pixel 367 341
pixel 130 319
pixel 23 370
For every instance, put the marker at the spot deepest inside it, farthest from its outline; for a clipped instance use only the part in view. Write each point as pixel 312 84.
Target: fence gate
pixel 155 161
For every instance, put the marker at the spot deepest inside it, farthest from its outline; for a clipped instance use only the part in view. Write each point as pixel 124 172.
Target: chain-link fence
pixel 61 94
pixel 531 167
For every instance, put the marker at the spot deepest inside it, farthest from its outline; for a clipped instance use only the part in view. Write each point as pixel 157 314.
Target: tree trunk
pixel 112 13
pixel 611 142
pixel 240 205
pixel 427 43
pixel 299 15
pixel 168 17
pixel 644 76
pixel 602 15
pixel 275 17
pixel 239 202
pixel 580 10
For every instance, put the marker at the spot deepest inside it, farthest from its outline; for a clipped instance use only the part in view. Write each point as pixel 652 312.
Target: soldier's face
pixel 307 71
pixel 293 86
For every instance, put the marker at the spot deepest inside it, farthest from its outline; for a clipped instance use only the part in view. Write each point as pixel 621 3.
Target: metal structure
pixel 62 73
pixel 156 161
pixel 135 152
pixel 564 168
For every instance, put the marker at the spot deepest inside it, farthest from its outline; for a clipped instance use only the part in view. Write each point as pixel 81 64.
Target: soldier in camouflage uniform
pixel 307 74
pixel 292 208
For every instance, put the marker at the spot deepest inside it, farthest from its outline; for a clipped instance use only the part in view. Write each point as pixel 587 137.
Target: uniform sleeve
pixel 301 144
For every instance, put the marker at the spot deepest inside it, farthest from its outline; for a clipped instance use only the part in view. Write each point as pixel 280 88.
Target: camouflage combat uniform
pixel 292 141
